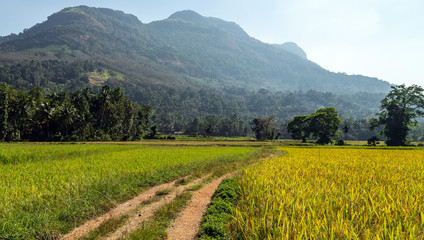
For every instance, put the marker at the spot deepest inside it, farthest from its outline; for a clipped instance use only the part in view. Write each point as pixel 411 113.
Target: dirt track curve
pixel 129 206
pixel 186 226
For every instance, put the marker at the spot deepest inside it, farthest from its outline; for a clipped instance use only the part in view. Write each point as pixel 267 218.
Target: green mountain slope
pixel 186 66
pixel 186 49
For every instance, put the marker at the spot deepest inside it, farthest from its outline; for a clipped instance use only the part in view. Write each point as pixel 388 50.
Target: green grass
pixel 13 153
pixel 106 228
pixel 163 192
pixel 47 189
pixel 113 224
pixel 212 139
pixel 155 228
pixel 218 214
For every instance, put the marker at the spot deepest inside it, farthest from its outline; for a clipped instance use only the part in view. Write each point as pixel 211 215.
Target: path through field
pixel 142 207
pixel 128 207
pixel 187 225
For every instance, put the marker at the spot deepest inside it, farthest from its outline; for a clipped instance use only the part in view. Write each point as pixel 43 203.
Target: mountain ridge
pixel 186 66
pixel 188 44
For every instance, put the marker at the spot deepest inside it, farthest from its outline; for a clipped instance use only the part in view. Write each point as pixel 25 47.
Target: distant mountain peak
pixel 101 13
pixel 187 15
pixel 72 15
pixel 77 9
pixel 186 49
pixel 190 16
pixel 293 48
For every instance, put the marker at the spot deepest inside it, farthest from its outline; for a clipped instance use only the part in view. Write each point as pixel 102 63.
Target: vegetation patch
pixel 215 222
pixel 155 228
pixel 106 228
pixel 333 193
pixel 46 190
pixel 98 78
pixel 163 192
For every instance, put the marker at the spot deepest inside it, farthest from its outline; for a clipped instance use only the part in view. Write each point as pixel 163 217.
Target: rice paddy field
pixel 333 193
pixel 48 189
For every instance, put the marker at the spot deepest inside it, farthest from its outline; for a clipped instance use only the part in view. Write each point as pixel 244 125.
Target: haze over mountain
pixel 181 55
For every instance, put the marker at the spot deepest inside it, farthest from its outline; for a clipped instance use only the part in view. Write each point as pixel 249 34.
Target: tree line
pixel 81 115
pixel 398 113
pixel 107 114
pixel 323 125
pixel 176 107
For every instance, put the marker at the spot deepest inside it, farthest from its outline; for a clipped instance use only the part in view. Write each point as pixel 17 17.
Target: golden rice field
pixel 331 193
pixel 47 189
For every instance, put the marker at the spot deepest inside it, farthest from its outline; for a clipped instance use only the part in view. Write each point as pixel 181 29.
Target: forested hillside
pixel 187 66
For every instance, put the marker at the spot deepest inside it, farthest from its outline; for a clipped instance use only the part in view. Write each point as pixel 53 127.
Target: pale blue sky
pixel 377 38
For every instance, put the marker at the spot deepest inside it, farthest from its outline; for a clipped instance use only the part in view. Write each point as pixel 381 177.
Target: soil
pixel 125 208
pixel 187 225
pixel 146 212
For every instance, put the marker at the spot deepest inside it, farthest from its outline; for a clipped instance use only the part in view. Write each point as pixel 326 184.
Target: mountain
pixel 186 66
pixel 208 51
pixel 293 48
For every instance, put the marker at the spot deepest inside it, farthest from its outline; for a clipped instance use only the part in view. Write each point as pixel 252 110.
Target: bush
pixel 373 141
pixel 215 221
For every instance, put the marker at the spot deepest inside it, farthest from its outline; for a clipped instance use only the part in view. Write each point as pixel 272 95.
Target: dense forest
pixel 108 114
pixel 201 75
pixel 78 116
pixel 175 108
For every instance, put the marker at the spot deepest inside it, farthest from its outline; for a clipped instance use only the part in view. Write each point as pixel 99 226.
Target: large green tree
pixel 324 124
pixel 299 127
pixel 264 128
pixel 321 125
pixel 399 111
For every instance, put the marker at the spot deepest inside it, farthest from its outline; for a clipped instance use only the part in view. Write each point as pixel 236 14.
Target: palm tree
pixel 45 114
pixel 4 110
pixel 82 102
pixel 67 115
pixel 21 114
pixel 105 103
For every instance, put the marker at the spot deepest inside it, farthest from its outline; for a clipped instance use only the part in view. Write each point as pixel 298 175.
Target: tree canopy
pixel 321 125
pixel 299 127
pixel 399 111
pixel 264 128
pixel 63 116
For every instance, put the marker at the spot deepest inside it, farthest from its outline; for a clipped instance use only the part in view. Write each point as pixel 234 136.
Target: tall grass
pixel 12 153
pixel 333 194
pixel 46 190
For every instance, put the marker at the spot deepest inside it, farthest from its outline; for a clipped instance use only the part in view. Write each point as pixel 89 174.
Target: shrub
pixel 340 142
pixel 215 221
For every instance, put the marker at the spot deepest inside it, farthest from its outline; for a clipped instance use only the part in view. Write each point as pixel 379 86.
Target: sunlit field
pixel 47 189
pixel 330 193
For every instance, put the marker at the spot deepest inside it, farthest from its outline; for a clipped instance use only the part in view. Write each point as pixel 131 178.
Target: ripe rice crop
pixel 325 193
pixel 47 189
